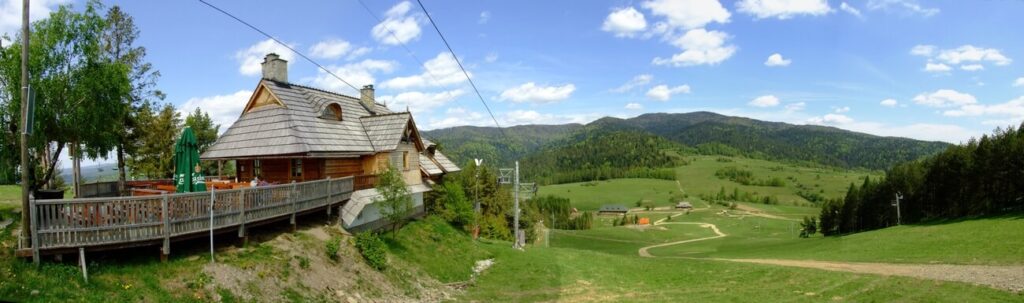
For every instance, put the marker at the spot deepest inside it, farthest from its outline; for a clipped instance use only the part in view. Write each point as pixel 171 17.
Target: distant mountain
pixel 93 173
pixel 700 132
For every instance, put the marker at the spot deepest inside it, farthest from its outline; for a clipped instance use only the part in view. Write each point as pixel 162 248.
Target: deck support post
pixel 213 198
pixel 329 202
pixel 34 222
pixel 291 200
pixel 241 216
pixel 81 261
pixel 166 249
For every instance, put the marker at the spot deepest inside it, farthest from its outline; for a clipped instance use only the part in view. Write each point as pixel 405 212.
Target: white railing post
pixel 241 213
pixel 213 197
pixel 34 222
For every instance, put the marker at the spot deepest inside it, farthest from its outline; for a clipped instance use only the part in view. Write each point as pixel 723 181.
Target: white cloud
pixel 831 119
pixel 688 14
pixel 889 102
pixel 531 92
pixel 10 13
pixel 330 49
pixel 699 47
pixel 777 60
pixel 491 57
pixel 972 67
pixel 419 102
pixel 223 109
pixel 936 67
pixel 840 110
pixel 442 70
pixel 1013 108
pixel 923 50
pixel 251 58
pixel 783 9
pixel 637 81
pixel 521 117
pixel 664 93
pixel 970 53
pixel 359 52
pixel 358 74
pixel 634 106
pixel 944 98
pixel 906 7
pixel 484 17
pixel 921 131
pixel 764 101
pixel 398 26
pixel 850 9
pixel 1019 82
pixel 624 22
pixel 795 107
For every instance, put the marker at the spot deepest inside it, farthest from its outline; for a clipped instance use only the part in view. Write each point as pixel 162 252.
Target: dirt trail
pixel 760 213
pixel 1009 277
pixel 1002 277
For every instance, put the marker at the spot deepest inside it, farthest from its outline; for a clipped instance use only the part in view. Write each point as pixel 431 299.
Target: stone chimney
pixel 366 96
pixel 275 68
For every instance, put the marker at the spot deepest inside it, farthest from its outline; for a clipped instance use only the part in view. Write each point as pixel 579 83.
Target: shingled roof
pixel 296 127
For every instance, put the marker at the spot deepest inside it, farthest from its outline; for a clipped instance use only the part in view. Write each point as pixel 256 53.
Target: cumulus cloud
pixel 850 10
pixel 10 13
pixel 969 57
pixel 485 16
pixel 399 26
pixel 1013 108
pixel 624 22
pixel 637 81
pixel 688 14
pixel 664 93
pixel 634 106
pixel 249 59
pixel 420 102
pixel 531 92
pixel 936 67
pixel 442 70
pixel 330 49
pixel 223 109
pixel 889 102
pixel 1019 82
pixel 840 110
pixel 491 57
pixel 359 52
pixel 358 74
pixel 944 98
pixel 905 7
pixel 699 47
pixel 830 119
pixel 795 107
pixel 777 60
pixel 764 101
pixel 783 9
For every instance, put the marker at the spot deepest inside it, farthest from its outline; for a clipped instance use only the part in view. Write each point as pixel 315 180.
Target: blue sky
pixel 933 70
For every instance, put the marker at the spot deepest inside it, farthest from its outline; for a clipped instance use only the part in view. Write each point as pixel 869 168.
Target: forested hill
pixel 703 132
pixel 600 155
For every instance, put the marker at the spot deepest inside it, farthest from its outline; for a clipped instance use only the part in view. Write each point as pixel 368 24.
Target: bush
pixel 333 245
pixel 373 249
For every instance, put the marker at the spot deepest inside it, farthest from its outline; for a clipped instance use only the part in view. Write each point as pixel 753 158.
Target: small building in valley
pixel 684 205
pixel 293 133
pixel 615 209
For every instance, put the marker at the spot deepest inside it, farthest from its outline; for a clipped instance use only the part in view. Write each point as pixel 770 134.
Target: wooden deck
pixel 62 225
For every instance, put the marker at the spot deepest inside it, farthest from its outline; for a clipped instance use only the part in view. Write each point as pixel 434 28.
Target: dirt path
pixel 1001 277
pixel 760 213
pixel 718 234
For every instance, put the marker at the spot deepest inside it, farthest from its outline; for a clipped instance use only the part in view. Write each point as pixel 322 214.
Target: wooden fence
pixel 92 222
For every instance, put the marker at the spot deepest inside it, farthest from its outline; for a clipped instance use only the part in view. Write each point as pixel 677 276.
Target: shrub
pixel 373 249
pixel 333 245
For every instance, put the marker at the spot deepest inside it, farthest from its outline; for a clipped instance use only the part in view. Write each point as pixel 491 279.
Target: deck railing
pixel 89 222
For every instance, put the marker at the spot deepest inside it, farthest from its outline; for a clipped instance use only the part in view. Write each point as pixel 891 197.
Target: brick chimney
pixel 275 68
pixel 366 96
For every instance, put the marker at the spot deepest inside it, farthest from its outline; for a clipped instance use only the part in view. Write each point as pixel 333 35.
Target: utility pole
pixel 515 223
pixel 897 205
pixel 476 198
pixel 25 223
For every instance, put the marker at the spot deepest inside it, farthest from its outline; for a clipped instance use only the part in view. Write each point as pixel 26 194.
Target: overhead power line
pixel 464 72
pixel 281 43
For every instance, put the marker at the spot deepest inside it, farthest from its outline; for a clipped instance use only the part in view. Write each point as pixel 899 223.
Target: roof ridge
pixel 385 115
pixel 319 90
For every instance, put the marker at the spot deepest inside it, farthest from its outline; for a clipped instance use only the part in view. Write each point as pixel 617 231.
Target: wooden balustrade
pixel 77 223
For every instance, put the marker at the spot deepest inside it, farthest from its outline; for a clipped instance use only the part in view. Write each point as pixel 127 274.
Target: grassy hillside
pixel 575 275
pixel 591 195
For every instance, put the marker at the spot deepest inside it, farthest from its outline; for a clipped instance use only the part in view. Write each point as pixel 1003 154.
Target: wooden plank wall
pixel 337 168
pixel 275 170
pixel 311 169
pixel 244 169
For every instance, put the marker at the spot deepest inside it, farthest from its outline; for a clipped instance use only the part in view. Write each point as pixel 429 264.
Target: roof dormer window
pixel 332 112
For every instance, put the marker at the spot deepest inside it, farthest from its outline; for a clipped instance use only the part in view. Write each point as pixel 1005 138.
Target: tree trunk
pixel 120 170
pixel 51 163
pixel 76 168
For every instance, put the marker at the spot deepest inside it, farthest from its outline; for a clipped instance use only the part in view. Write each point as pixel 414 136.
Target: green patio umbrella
pixel 188 175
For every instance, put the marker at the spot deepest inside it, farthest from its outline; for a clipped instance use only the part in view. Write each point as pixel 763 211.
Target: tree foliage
pixel 154 151
pixel 982 177
pixel 395 201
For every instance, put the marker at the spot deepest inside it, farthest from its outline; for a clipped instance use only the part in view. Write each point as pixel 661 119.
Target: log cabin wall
pixel 275 170
pixel 311 169
pixel 244 169
pixel 343 167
